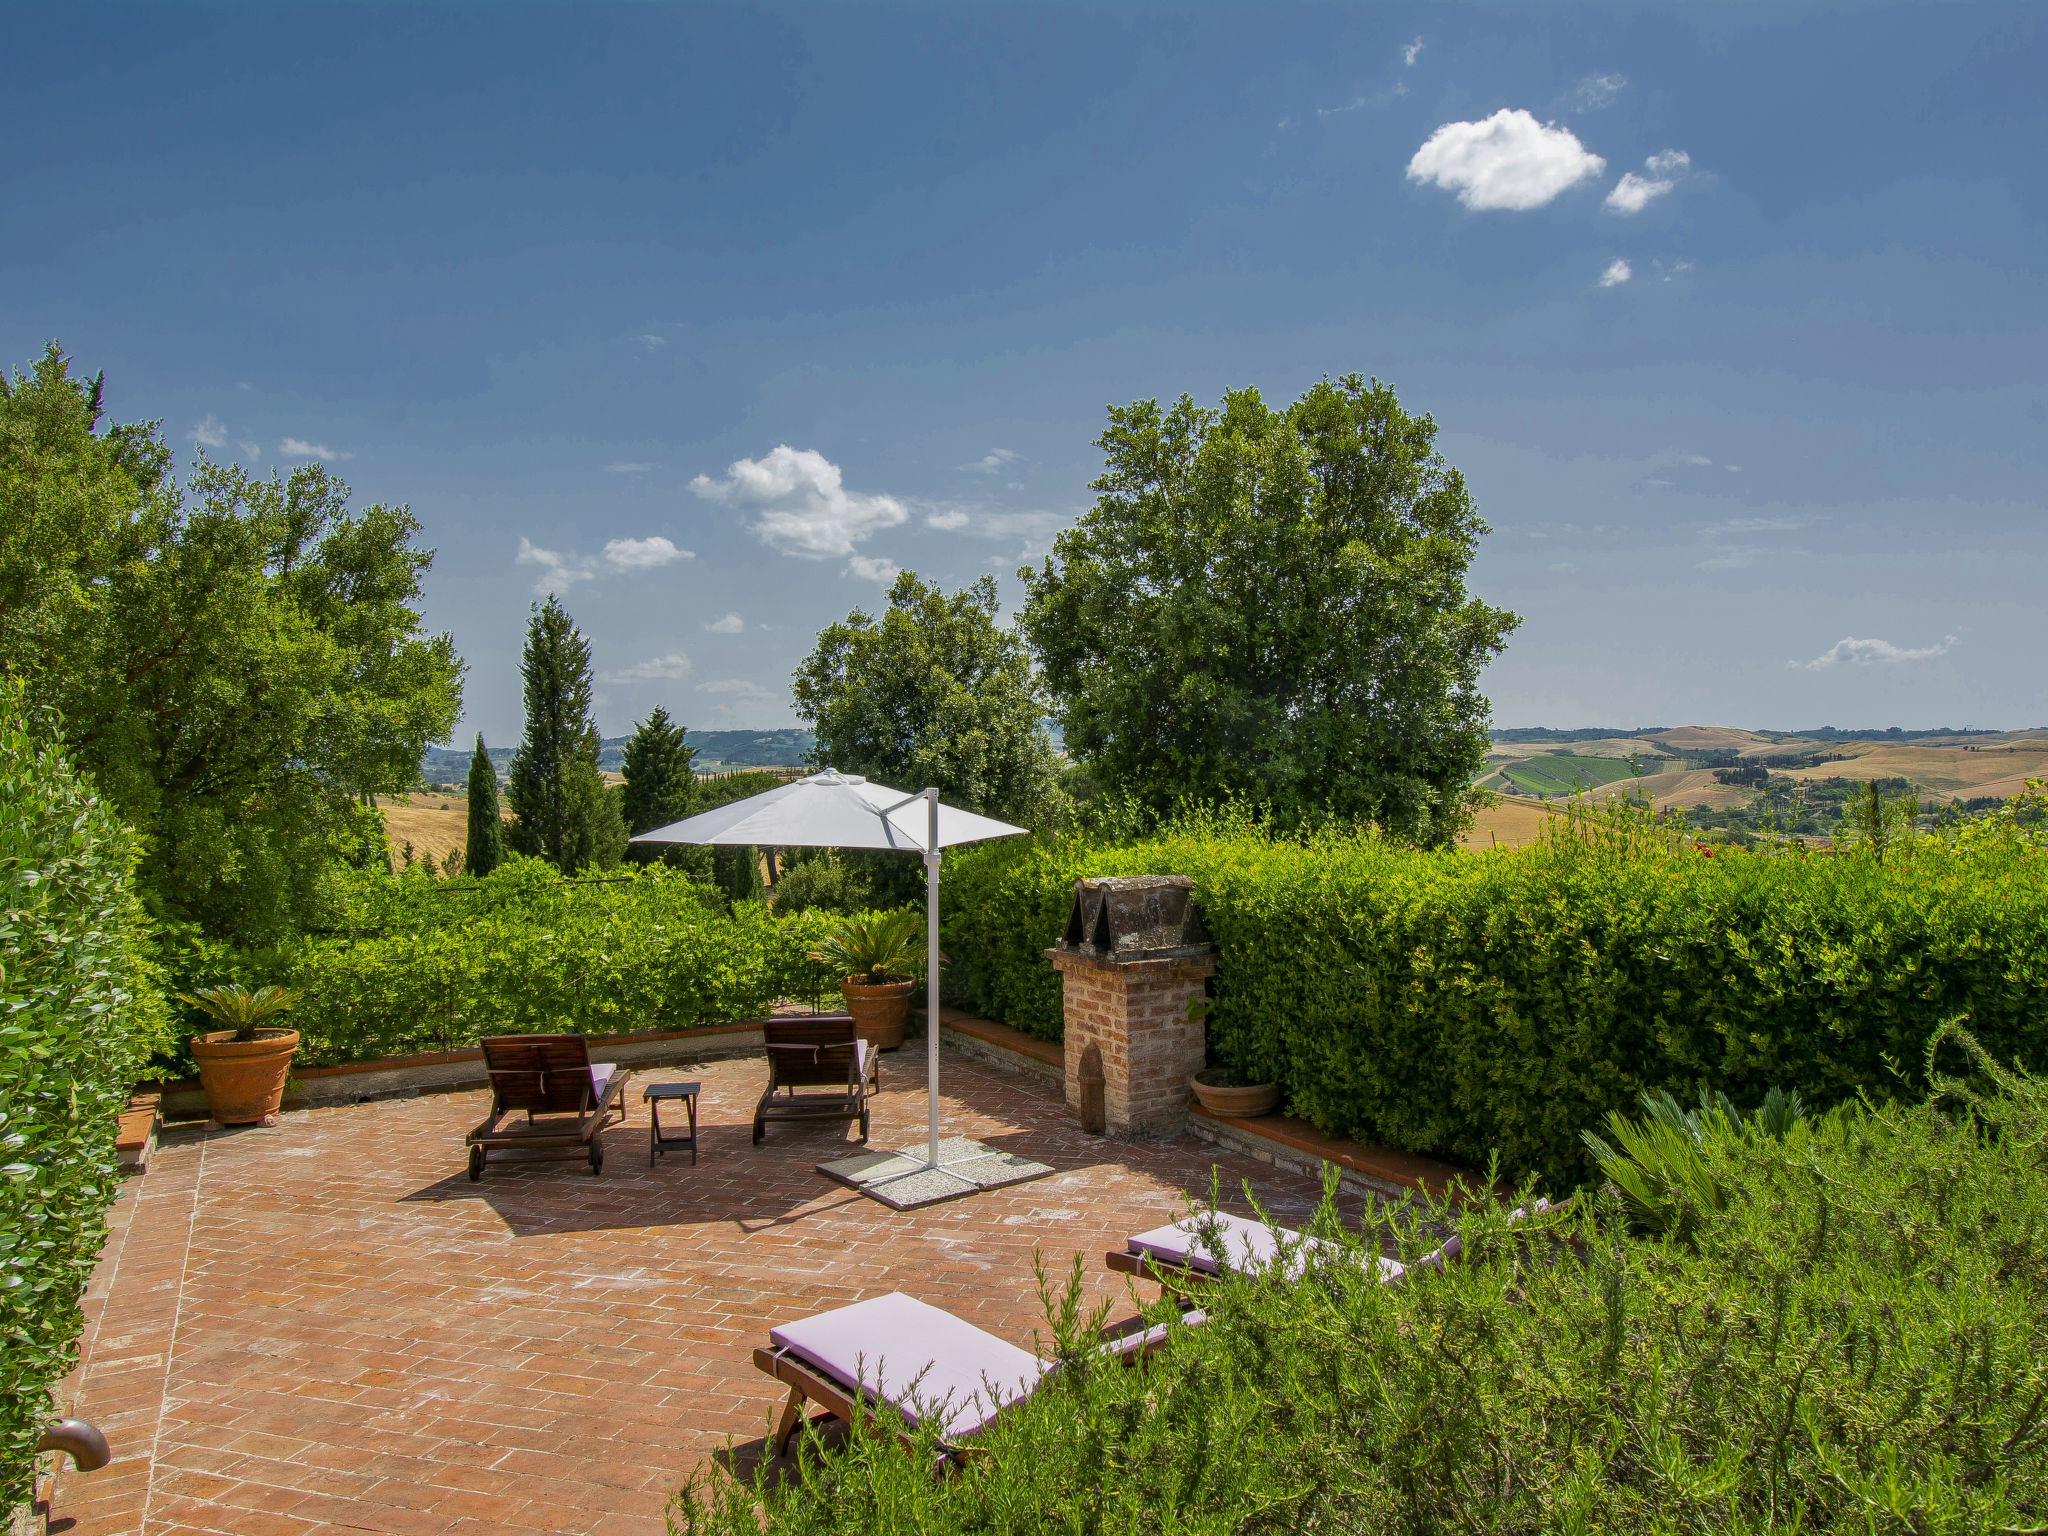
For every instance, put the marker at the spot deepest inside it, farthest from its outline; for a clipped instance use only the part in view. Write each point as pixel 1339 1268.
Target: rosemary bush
pixel 1857 1342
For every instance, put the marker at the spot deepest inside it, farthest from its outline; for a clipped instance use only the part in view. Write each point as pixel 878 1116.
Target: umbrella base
pixel 902 1180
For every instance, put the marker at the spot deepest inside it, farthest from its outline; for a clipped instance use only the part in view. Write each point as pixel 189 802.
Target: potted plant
pixel 243 1066
pixel 1222 1092
pixel 877 956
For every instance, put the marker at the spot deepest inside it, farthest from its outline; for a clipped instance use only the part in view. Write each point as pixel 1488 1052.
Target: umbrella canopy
pixel 831 810
pixel 844 810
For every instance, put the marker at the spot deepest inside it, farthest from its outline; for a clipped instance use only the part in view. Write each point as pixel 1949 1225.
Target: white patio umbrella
pixel 844 810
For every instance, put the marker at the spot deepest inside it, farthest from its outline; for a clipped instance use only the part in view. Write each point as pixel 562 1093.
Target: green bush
pixel 1464 1004
pixel 428 965
pixel 79 1007
pixel 1858 1343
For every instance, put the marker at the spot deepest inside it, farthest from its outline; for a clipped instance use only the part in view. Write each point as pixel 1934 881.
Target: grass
pixel 1562 773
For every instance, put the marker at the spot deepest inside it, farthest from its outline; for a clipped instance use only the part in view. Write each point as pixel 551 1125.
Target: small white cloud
pixel 558 572
pixel 731 624
pixel 299 448
pixel 738 687
pixel 1849 651
pixel 1565 568
pixel 623 468
pixel 643 554
pixel 1633 193
pixel 245 386
pixel 674 664
pixel 253 450
pixel 872 568
pixel 993 463
pixel 1676 269
pixel 652 340
pixel 1672 162
pixel 1410 53
pixel 211 433
pixel 1617 273
pixel 800 504
pixel 1597 91
pixel 1696 458
pixel 952 520
pixel 1508 161
pixel 1758 525
pixel 1733 557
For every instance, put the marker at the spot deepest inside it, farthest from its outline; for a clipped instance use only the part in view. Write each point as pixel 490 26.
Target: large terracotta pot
pixel 879 1011
pixel 1221 1094
pixel 244 1079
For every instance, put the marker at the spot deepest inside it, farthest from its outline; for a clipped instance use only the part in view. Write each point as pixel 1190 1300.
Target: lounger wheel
pixel 596 1157
pixel 863 1125
pixel 476 1164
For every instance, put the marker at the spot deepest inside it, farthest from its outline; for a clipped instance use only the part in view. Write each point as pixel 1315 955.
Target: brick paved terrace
pixel 324 1326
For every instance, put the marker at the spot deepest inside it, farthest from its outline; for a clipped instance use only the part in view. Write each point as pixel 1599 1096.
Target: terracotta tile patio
pixel 325 1327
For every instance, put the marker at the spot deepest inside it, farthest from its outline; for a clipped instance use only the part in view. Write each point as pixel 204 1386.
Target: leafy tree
pixel 1272 604
pixel 738 873
pixel 660 783
pixel 566 812
pixel 485 849
pixel 934 692
pixel 237 662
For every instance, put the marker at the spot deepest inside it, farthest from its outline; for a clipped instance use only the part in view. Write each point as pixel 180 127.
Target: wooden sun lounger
pixel 952 1366
pixel 549 1076
pixel 822 1051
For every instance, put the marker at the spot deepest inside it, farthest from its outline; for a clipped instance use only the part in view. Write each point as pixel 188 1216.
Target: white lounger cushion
pixel 925 1362
pixel 1245 1246
pixel 601 1074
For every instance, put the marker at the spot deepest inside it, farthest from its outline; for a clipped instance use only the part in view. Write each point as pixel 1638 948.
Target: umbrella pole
pixel 931 982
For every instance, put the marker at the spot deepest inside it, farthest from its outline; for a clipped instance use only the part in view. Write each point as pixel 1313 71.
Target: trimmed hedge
pixel 1463 1004
pixel 79 1009
pixel 429 966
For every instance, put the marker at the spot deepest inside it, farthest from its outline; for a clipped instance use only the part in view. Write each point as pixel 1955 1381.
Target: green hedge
pixel 1463 1004
pixel 425 965
pixel 1858 1344
pixel 78 1010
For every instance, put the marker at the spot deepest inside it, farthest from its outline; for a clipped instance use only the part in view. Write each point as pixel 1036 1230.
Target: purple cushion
pixel 925 1362
pixel 1245 1246
pixel 601 1074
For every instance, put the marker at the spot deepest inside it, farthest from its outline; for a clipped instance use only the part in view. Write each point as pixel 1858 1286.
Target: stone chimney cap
pixel 1135 917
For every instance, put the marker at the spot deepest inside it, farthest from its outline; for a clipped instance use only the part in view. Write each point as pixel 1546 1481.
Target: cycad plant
pixel 1660 1170
pixel 872 948
pixel 235 1007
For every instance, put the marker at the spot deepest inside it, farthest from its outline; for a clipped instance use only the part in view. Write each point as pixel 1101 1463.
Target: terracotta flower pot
pixel 1222 1095
pixel 244 1079
pixel 879 1010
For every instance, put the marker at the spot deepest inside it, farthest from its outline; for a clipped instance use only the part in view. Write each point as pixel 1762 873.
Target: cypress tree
pixel 566 813
pixel 660 783
pixel 485 850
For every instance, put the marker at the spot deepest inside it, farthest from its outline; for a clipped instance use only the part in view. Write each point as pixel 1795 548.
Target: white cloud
pixel 731 624
pixel 558 572
pixel 993 464
pixel 1696 458
pixel 674 664
pixel 299 448
pixel 952 520
pixel 1733 557
pixel 652 340
pixel 1617 273
pixel 800 504
pixel 1862 653
pixel 1597 91
pixel 1633 193
pixel 1410 53
pixel 623 468
pixel 872 568
pixel 643 554
pixel 211 433
pixel 253 450
pixel 738 687
pixel 1759 525
pixel 1508 160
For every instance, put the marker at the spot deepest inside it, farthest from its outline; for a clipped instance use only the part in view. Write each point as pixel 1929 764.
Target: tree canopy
pixel 484 848
pixel 660 784
pixel 934 692
pixel 566 812
pixel 1272 604
pixel 238 662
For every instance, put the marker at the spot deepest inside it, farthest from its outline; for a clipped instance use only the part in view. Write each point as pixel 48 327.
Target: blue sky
pixel 711 317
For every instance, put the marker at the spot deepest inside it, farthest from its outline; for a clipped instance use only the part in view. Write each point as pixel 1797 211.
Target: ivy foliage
pixel 1467 1004
pixel 79 1007
pixel 1856 1343
pixel 430 965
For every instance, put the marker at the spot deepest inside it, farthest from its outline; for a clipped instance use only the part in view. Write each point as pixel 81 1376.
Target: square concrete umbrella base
pixel 902 1181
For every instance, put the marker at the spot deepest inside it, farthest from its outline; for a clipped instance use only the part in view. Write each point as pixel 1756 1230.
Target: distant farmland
pixel 1562 773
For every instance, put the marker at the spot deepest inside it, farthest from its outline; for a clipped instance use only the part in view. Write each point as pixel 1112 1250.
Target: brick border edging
pixel 1294 1144
pixel 1001 1044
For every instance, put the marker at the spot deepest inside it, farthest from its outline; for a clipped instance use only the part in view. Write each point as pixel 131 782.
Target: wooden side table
pixel 652 1095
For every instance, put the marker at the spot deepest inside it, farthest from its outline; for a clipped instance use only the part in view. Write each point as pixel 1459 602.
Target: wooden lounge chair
pixel 921 1361
pixel 550 1076
pixel 819 1052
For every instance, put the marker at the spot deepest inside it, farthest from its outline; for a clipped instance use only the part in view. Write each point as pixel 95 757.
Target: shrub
pixel 1858 1343
pixel 1465 1004
pixel 432 966
pixel 78 1007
